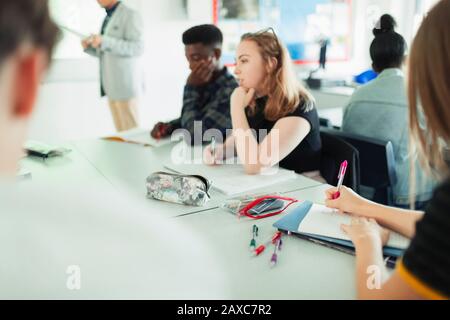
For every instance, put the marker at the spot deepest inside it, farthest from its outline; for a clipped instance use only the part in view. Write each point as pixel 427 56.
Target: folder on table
pixel 323 232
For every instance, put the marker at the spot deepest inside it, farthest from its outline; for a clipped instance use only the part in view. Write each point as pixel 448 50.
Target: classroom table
pixel 126 166
pixel 73 168
pixel 304 270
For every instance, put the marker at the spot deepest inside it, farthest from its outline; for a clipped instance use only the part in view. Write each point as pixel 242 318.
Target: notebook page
pixel 324 221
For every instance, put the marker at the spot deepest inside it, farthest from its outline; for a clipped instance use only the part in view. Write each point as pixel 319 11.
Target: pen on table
pixel 262 247
pixel 341 176
pixel 213 148
pixel 254 235
pixel 274 258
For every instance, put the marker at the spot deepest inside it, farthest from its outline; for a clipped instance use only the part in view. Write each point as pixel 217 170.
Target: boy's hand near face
pixel 201 73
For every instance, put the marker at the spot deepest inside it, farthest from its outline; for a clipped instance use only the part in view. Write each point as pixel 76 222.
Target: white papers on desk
pixel 324 221
pixel 139 136
pixel 229 179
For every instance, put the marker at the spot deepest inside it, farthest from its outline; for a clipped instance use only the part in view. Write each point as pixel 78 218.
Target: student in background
pixel 208 88
pixel 270 97
pixel 380 110
pixel 83 241
pixel 423 272
pixel 118 46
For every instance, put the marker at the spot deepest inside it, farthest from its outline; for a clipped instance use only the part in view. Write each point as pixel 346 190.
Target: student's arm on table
pixel 287 133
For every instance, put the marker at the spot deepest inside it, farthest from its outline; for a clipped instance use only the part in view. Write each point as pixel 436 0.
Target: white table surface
pixel 304 271
pixel 126 166
pixel 73 168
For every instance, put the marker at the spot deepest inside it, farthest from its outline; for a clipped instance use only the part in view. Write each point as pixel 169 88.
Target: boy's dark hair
pixel 388 48
pixel 207 34
pixel 26 20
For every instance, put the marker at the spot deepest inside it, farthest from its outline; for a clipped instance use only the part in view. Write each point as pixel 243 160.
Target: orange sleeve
pixel 421 288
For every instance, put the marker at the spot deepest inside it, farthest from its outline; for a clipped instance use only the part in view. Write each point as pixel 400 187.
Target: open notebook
pixel 139 136
pixel 229 179
pixel 324 221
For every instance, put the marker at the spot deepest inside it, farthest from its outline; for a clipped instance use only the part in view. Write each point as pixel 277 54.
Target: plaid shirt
pixel 209 104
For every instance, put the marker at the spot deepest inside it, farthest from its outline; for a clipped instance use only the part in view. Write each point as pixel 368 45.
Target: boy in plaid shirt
pixel 209 87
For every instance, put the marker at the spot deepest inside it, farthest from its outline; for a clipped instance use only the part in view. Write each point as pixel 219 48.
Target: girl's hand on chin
pixel 242 97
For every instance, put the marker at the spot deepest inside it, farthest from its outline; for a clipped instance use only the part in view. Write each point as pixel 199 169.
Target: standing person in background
pixel 118 47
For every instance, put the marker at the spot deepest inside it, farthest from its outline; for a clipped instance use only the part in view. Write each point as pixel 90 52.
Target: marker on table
pixel 254 235
pixel 274 259
pixel 341 176
pixel 262 247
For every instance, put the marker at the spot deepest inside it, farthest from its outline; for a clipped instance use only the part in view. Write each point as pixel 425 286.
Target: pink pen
pixel 341 176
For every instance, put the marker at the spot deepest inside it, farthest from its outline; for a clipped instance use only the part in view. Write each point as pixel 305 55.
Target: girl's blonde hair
pixel 429 92
pixel 285 93
pixel 429 87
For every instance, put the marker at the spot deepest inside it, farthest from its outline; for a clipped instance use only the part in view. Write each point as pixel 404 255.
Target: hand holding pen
pixel 341 176
pixel 213 154
pixel 344 199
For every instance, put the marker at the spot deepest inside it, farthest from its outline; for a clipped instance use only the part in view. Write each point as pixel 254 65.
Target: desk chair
pixel 377 164
pixel 324 122
pixel 334 151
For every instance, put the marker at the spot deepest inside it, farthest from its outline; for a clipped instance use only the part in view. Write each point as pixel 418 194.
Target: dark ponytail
pixel 388 49
pixel 385 24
